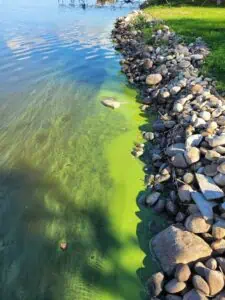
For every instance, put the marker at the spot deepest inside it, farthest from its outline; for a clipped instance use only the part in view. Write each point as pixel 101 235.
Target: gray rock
pixel 180 217
pixel 199 123
pixel 219 179
pixel 205 207
pixel 210 170
pixel 182 272
pixel 153 198
pixel 197 57
pixel 175 148
pixel 194 140
pixel 174 245
pixel 110 102
pixel 220 296
pixel 211 264
pixel 200 284
pixel 174 286
pixel 173 297
pixel 184 193
pixel 153 79
pixel 184 64
pixel 197 224
pixel 155 284
pixel 216 140
pixel 194 295
pixel 179 161
pixel 208 187
pixel 192 155
pixel 221 168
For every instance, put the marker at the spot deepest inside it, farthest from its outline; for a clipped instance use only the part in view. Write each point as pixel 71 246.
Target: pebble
pixel 175 149
pixel 211 264
pixel 152 198
pixel 205 115
pixel 63 246
pixel 218 246
pixel 184 193
pixel 210 170
pixel 218 230
pixel 148 63
pixel 174 286
pixel 197 224
pixel 194 140
pixel 208 187
pixel 178 107
pixel 182 272
pixel 215 281
pixel 179 161
pixel 221 168
pixel 197 89
pixel 175 90
pixel 200 284
pixel 221 262
pixel 194 295
pixel 219 179
pixel 212 155
pixel 188 178
pixel 153 79
pixel 192 155
pixel 155 284
pixel 216 140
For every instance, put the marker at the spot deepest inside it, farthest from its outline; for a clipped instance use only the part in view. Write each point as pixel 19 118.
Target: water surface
pixel 66 173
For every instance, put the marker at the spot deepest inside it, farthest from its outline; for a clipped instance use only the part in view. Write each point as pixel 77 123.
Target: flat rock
pixel 219 179
pixel 205 207
pixel 210 170
pixel 212 155
pixel 174 286
pixel 110 102
pixel 208 187
pixel 174 245
pixel 197 224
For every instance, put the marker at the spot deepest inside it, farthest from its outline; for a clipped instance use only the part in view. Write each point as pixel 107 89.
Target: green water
pixel 66 169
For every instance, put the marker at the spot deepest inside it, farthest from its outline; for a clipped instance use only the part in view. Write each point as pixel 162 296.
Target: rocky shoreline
pixel 184 158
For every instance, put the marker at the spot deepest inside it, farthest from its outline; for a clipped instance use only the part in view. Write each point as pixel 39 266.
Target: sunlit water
pixel 66 173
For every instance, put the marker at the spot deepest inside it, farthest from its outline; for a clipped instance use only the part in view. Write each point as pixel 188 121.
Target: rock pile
pixel 184 156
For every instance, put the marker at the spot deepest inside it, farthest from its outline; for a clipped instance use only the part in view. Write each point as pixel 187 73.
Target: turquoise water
pixel 66 173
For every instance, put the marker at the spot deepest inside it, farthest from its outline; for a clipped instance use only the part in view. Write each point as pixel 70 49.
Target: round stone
pixel 221 168
pixel 210 170
pixel 200 284
pixel 197 224
pixel 205 115
pixel 182 272
pixel 153 79
pixel 174 286
pixel 188 178
pixel 211 264
pixel 197 89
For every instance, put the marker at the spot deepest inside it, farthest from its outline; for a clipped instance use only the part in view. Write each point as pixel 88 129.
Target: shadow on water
pixel 32 264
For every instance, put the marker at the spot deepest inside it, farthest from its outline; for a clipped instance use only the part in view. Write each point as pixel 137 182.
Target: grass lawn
pixel 192 22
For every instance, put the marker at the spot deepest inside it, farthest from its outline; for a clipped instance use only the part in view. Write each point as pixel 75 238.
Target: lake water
pixel 66 173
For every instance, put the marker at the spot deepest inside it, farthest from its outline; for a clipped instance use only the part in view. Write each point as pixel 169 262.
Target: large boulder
pixel 176 245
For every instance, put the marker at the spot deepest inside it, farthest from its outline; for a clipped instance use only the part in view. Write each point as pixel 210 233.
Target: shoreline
pixel 183 156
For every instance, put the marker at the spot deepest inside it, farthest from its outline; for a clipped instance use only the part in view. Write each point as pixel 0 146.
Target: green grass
pixel 192 22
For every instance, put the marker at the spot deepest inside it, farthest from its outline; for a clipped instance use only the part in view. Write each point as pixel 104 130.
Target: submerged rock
pixel 110 102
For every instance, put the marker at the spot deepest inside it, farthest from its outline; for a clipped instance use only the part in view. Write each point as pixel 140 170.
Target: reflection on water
pixel 66 174
pixel 113 4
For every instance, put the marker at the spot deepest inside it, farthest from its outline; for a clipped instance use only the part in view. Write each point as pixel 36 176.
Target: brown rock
pixel 182 272
pixel 197 224
pixel 218 246
pixel 174 286
pixel 175 245
pixel 200 284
